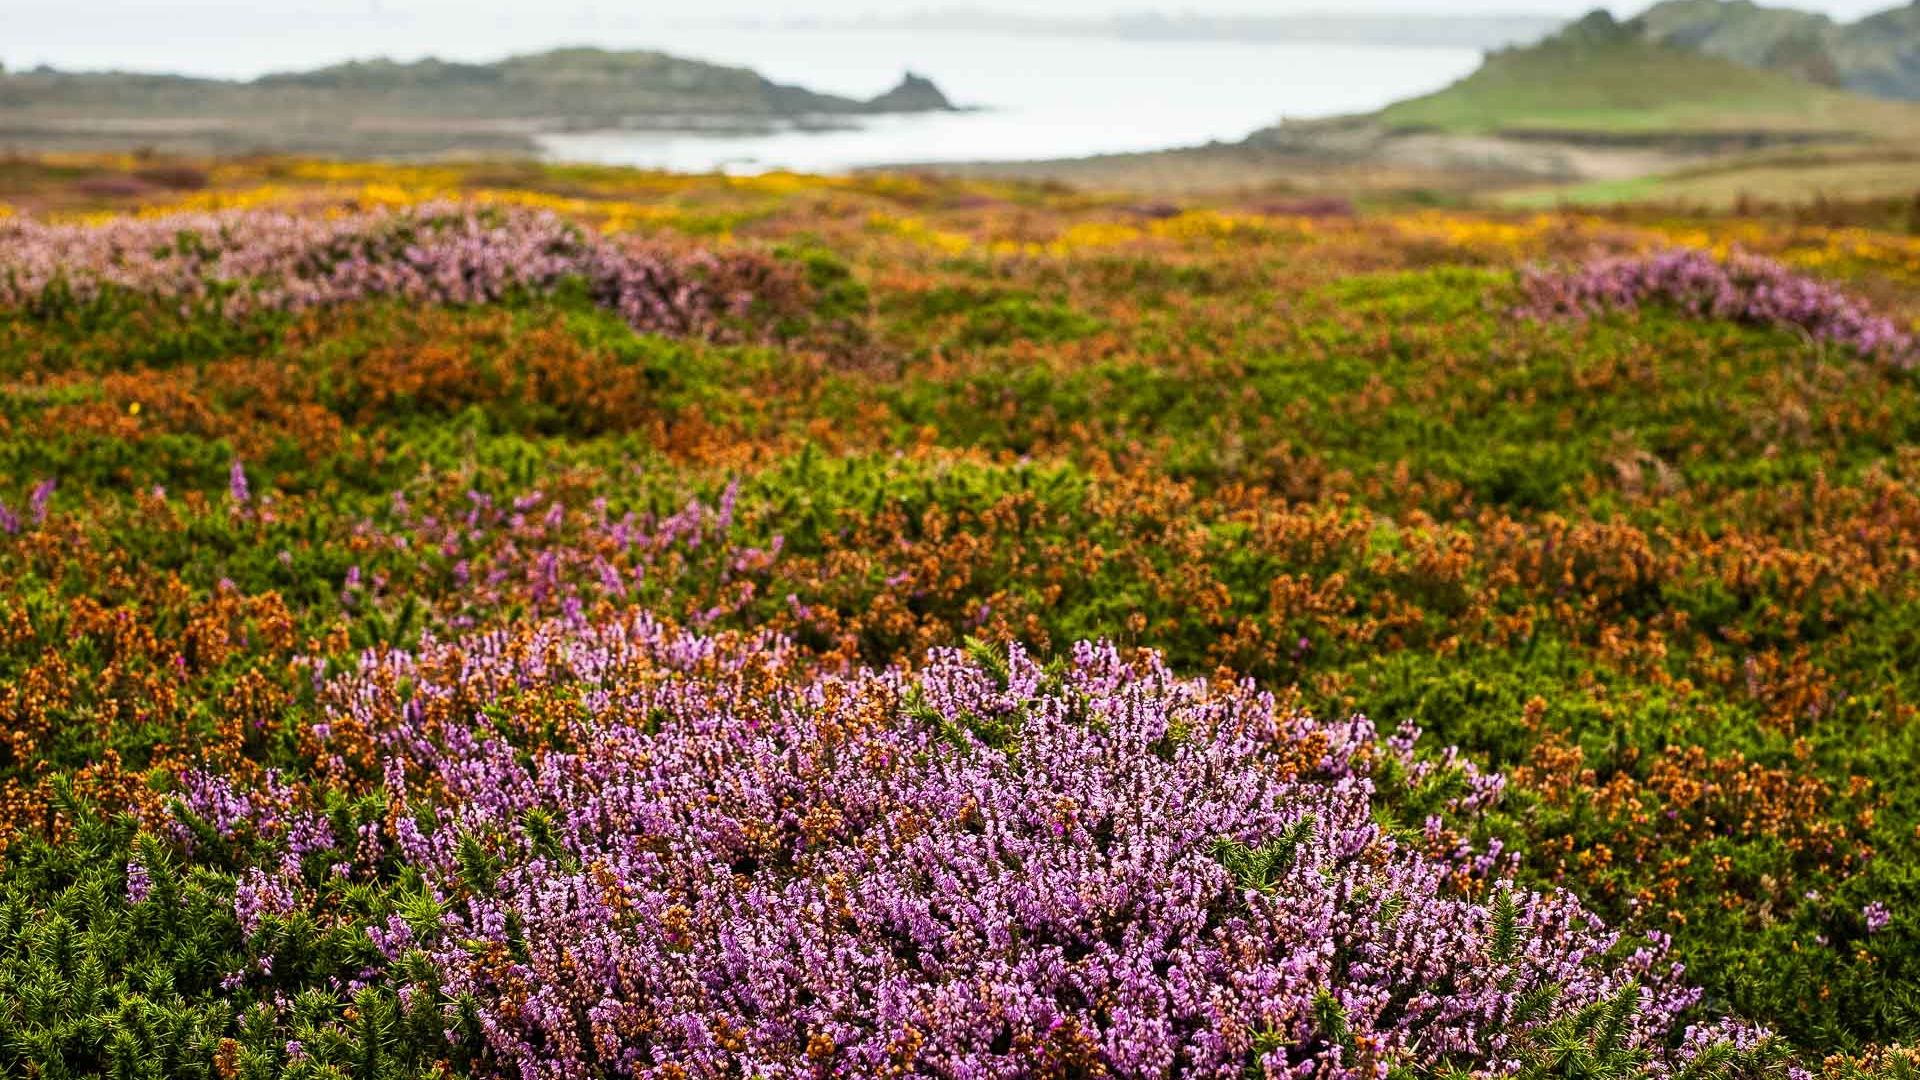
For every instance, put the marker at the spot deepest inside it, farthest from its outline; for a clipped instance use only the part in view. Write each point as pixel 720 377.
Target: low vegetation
pixel 1008 632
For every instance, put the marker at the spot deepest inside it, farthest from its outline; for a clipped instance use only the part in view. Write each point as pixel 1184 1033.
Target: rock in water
pixel 916 93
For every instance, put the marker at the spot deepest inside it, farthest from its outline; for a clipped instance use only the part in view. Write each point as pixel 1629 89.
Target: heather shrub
pixel 1742 287
pixel 659 854
pixel 241 263
pixel 621 849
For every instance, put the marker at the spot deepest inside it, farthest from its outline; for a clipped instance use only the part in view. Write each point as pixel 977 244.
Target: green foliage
pixel 1256 869
pixel 94 984
pixel 978 318
pixel 839 295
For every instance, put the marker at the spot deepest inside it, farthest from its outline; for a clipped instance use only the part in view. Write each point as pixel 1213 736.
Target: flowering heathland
pixel 238 263
pixel 416 660
pixel 1741 287
pixel 657 854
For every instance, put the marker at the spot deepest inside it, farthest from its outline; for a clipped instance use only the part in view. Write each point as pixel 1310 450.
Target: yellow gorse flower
pixel 919 232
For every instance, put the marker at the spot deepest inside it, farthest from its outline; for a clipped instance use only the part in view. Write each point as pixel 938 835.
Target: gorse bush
pixel 119 960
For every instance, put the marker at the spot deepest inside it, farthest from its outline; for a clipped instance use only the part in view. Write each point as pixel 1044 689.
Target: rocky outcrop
pixel 916 93
pixel 1877 55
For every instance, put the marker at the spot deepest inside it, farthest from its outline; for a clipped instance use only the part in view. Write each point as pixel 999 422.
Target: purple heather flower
pixel 237 489
pixel 37 502
pixel 1877 915
pixel 139 882
pixel 258 896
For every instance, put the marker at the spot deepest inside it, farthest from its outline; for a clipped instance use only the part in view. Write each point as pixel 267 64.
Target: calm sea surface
pixel 1037 96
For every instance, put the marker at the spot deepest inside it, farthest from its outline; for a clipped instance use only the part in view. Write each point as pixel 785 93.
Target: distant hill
pixel 1601 104
pixel 426 105
pixel 1601 78
pixel 1878 55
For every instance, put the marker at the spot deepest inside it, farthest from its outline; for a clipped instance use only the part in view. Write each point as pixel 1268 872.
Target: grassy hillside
pixel 1599 78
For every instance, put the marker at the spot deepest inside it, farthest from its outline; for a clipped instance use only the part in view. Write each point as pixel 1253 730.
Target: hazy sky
pixel 245 37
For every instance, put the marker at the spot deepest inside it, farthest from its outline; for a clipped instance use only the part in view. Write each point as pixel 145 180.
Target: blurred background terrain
pixel 1706 101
